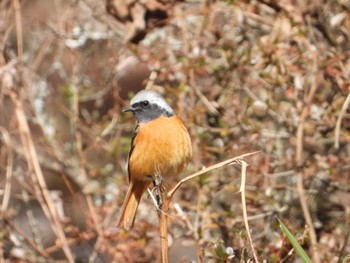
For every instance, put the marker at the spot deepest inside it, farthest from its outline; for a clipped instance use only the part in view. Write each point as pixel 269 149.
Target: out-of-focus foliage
pixel 239 73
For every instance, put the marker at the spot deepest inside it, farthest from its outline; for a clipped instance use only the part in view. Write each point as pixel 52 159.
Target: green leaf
pixel 300 251
pixel 346 259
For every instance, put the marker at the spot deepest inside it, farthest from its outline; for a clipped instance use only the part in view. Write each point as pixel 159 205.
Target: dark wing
pixel 132 146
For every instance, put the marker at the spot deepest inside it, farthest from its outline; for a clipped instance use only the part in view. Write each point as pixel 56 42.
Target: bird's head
pixel 148 105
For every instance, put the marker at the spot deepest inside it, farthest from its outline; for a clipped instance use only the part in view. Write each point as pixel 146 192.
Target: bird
pixel 160 144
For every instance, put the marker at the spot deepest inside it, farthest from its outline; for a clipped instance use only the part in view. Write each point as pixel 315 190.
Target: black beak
pixel 128 109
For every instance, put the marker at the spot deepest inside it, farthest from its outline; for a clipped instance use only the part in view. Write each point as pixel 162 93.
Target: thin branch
pixel 201 96
pixel 9 168
pixel 197 218
pixel 34 166
pixel 244 207
pixel 100 237
pixel 299 162
pixel 87 236
pixel 213 167
pixel 346 235
pixel 27 239
pixel 18 17
pixel 183 216
pixel 163 225
pixel 153 76
pixel 260 216
pixel 166 199
pixel 340 118
pixel 37 233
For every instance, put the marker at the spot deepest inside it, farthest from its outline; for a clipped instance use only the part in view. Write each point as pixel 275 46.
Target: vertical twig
pixel 153 76
pixel 18 17
pixel 340 118
pixel 82 161
pixel 196 224
pixel 167 196
pixel 163 225
pixel 100 236
pixel 300 163
pixel 346 237
pixel 9 167
pixel 34 166
pixel 30 151
pixel 2 258
pixel 244 206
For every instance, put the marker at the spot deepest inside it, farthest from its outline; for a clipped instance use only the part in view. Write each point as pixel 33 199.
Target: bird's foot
pixel 157 196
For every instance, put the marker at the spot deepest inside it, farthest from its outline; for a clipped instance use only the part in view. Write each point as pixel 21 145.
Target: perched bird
pixel 160 144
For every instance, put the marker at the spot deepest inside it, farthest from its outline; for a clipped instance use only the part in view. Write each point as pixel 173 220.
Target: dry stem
pixel 41 190
pixel 18 17
pixel 244 207
pixel 299 163
pixel 153 76
pixel 341 115
pixel 213 167
pixel 163 225
pixel 28 239
pixel 9 167
pixel 166 199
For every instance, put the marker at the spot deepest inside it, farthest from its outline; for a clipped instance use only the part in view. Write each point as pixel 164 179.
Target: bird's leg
pixel 157 182
pixel 157 193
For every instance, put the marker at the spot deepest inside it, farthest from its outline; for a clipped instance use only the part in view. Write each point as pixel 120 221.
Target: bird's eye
pixel 145 103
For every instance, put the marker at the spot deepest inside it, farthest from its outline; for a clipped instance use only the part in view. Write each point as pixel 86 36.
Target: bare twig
pixel 259 19
pixel 166 199
pixel 153 76
pixel 244 207
pixel 2 258
pixel 213 167
pixel 31 219
pixel 260 216
pixel 9 167
pixel 200 95
pixel 97 11
pixel 18 16
pixel 82 161
pixel 340 118
pixel 61 166
pixel 42 192
pixel 300 162
pixel 72 241
pixel 183 216
pixel 163 224
pixel 256 98
pixel 346 235
pixel 196 220
pixel 100 239
pixel 27 239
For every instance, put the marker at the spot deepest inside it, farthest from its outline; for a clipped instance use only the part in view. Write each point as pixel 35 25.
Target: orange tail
pixel 131 202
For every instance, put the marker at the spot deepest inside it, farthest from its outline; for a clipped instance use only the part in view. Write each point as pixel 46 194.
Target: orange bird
pixel 161 144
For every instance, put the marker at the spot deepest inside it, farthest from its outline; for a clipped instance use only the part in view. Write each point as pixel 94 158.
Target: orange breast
pixel 161 145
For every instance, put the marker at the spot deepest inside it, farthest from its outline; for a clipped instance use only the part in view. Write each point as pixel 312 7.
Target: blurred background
pixel 244 76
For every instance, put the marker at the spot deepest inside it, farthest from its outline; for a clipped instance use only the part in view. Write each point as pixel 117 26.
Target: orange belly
pixel 162 145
